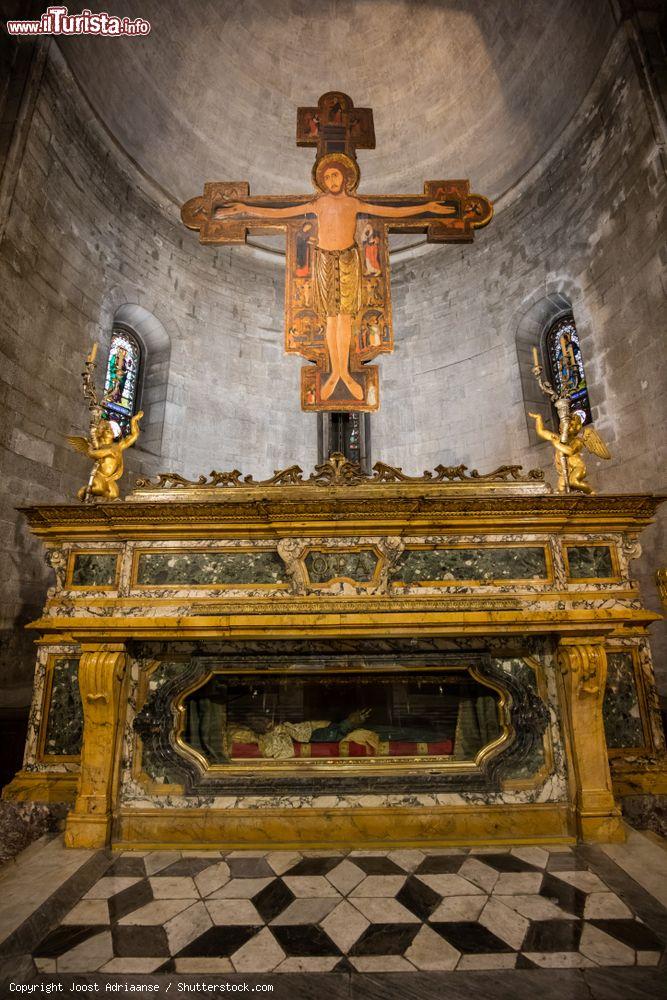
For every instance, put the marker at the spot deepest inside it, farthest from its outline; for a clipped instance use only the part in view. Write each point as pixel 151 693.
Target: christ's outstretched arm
pixel 406 211
pixel 239 208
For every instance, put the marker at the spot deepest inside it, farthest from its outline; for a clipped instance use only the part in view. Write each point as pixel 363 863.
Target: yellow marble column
pixel 101 672
pixel 583 668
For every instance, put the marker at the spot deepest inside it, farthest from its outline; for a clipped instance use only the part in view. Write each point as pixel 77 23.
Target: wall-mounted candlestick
pixel 561 403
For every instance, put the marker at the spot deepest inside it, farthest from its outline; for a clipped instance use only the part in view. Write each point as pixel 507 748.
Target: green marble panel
pixel 324 566
pixel 64 724
pixel 92 569
pixel 417 565
pixel 622 718
pixel 588 561
pixel 210 568
pixel 533 761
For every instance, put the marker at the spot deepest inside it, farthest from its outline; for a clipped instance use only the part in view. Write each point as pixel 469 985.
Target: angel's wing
pixel 594 443
pixel 79 444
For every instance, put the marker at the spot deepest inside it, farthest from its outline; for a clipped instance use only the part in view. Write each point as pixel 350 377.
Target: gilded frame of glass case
pixel 349 765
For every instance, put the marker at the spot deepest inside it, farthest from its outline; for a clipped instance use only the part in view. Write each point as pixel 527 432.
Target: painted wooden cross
pixel 337 294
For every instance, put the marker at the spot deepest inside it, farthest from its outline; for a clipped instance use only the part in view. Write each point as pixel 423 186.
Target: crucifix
pixel 337 291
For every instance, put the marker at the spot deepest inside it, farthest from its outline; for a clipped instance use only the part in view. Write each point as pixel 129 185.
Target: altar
pixel 341 658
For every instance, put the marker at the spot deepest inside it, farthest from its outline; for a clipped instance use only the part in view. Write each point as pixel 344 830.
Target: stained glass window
pixel 345 435
pixel 122 380
pixel 567 366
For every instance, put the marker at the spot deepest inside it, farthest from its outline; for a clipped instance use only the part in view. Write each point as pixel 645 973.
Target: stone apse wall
pixel 87 233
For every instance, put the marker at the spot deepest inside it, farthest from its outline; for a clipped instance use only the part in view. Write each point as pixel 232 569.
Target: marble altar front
pixel 342 659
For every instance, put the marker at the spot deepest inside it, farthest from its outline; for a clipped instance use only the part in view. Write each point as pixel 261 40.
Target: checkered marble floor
pixel 364 911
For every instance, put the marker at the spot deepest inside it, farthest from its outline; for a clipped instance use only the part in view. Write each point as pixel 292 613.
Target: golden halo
pixel 349 169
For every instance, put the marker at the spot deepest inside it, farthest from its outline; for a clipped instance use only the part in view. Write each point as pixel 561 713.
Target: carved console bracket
pixel 583 671
pixel 101 673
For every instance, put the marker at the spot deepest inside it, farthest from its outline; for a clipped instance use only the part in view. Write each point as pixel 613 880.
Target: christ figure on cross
pixel 337 261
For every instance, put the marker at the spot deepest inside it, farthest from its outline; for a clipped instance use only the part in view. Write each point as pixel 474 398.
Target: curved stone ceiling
pixel 459 88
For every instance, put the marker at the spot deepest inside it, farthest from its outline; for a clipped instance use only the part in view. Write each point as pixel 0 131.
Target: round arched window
pixel 563 351
pixel 121 383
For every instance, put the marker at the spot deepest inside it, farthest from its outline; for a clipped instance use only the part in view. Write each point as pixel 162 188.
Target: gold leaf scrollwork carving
pixel 329 605
pixel 339 471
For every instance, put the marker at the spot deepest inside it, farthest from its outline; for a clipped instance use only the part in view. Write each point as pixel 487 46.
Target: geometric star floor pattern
pixel 334 911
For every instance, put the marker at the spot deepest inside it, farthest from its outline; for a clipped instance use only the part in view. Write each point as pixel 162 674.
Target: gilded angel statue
pixel 108 455
pixel 575 438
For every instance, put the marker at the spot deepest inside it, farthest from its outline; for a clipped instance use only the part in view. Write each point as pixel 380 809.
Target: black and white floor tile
pixel 357 911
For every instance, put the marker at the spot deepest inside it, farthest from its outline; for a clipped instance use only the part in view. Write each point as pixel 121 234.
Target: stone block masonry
pixel 86 234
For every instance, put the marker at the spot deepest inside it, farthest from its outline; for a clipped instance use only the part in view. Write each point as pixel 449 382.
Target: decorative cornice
pixel 331 605
pixel 339 471
pixel 381 509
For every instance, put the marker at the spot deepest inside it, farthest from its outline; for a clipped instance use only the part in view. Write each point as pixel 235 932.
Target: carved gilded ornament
pixel 661 584
pixel 57 560
pixel 372 604
pixel 339 471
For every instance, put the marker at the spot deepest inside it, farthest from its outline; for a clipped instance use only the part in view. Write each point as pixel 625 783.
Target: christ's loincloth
pixel 337 281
